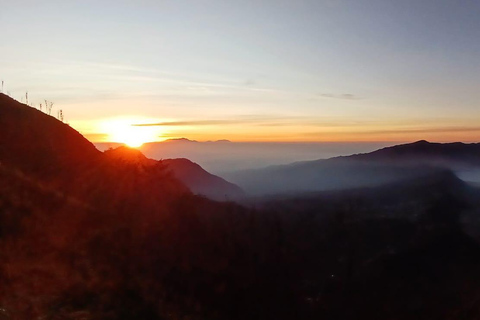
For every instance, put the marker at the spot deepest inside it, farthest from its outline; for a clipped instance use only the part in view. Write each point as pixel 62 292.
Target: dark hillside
pixel 40 144
pixel 102 237
pixel 395 252
pixel 57 156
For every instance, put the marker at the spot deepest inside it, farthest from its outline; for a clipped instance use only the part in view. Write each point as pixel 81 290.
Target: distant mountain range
pixel 54 156
pixel 384 166
pixel 188 140
pixel 454 155
pixel 219 157
pixel 102 146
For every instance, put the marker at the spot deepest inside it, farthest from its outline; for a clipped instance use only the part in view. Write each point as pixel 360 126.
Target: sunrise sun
pixel 122 131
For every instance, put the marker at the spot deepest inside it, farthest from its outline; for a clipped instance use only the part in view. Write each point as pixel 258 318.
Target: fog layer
pixel 221 157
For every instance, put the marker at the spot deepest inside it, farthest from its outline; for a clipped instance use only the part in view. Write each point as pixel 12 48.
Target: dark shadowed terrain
pixel 92 235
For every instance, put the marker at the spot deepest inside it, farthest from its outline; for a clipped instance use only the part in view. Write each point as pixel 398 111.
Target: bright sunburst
pixel 122 131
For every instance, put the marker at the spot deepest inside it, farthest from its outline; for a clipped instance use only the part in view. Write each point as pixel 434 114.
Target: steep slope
pixel 198 180
pixel 58 157
pixel 202 182
pixel 40 144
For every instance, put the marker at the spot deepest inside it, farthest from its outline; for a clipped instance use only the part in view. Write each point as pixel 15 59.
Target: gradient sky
pixel 344 70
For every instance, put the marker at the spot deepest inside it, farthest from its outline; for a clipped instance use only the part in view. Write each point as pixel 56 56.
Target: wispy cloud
pixel 428 130
pixel 96 136
pixel 136 73
pixel 262 121
pixel 401 131
pixel 187 123
pixel 345 96
pixel 242 119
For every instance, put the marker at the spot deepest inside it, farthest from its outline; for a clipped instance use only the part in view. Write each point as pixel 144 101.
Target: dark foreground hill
pixel 99 237
pixel 88 235
pixel 39 144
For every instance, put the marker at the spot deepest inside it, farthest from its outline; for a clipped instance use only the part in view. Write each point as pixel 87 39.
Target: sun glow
pixel 123 131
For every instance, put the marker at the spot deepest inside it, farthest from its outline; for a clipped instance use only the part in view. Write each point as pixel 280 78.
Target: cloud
pixel 250 82
pixel 259 120
pixel 402 131
pixel 345 96
pixel 428 130
pixel 254 119
pixel 241 119
pixel 96 136
pixel 187 123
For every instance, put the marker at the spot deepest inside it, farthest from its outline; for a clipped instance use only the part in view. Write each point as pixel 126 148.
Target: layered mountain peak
pixel 423 151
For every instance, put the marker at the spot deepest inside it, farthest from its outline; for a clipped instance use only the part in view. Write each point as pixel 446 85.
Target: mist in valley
pixel 221 157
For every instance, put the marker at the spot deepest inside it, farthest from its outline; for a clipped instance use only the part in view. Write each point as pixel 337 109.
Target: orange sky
pixel 261 71
pixel 127 128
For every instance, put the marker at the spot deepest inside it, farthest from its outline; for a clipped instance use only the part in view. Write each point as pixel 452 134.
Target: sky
pixel 320 70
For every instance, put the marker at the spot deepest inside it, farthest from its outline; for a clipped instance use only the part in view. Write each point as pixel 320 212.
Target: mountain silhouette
pixel 51 152
pixel 189 173
pixel 45 147
pixel 388 165
pixel 39 144
pixel 201 182
pixel 449 154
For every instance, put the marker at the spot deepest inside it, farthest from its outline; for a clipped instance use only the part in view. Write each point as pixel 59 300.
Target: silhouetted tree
pixel 60 115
